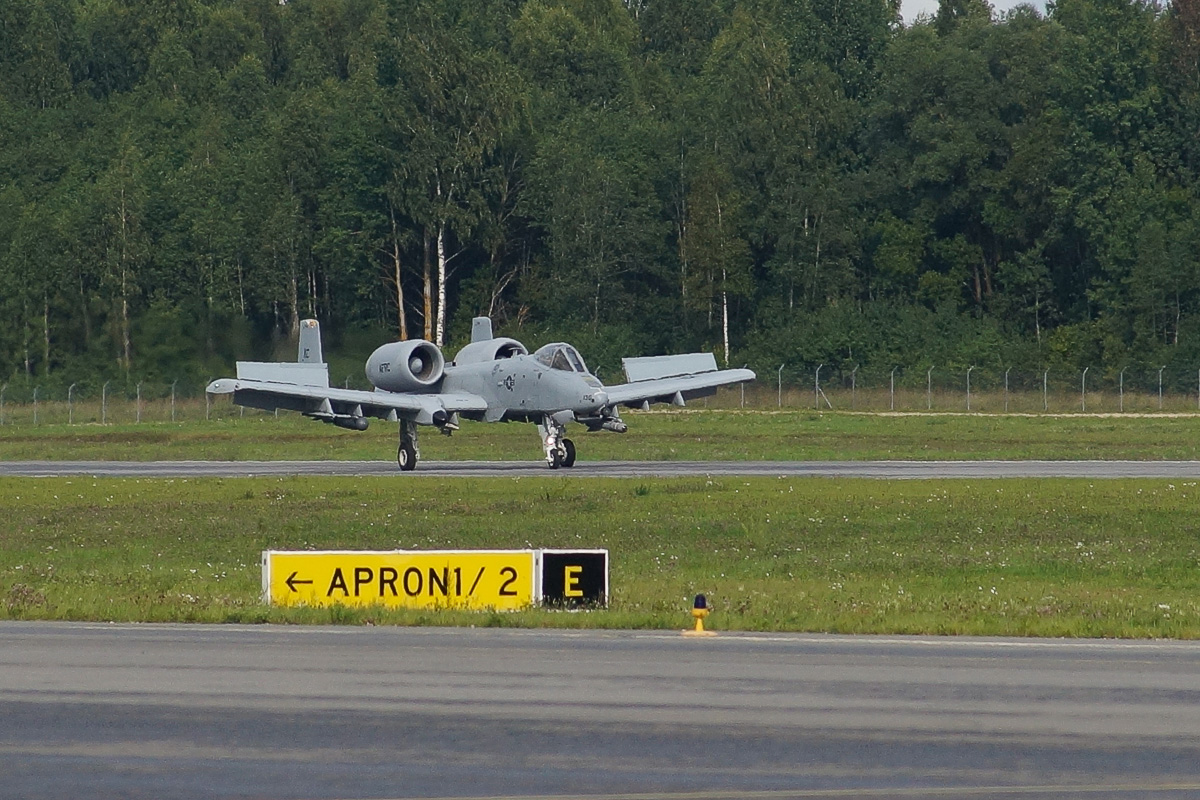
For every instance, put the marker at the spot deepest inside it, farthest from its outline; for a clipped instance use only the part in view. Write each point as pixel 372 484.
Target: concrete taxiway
pixel 165 711
pixel 892 470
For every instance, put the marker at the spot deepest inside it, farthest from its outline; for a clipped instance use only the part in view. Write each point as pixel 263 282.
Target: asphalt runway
pixel 892 470
pixel 166 711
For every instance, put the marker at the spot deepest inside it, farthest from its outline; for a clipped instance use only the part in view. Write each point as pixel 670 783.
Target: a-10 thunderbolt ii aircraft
pixel 494 379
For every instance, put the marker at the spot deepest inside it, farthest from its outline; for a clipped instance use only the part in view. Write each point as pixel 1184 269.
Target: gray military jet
pixel 493 379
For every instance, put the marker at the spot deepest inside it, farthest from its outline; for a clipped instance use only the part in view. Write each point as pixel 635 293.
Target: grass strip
pixel 1114 558
pixel 689 434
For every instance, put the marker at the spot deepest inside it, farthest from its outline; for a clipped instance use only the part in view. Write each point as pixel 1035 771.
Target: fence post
pixel 139 402
pixel 741 385
pixel 892 391
pixel 104 403
pixel 1122 388
pixel 207 403
pixel 173 398
pixel 1045 397
pixel 1083 390
pixel 779 399
pixel 1006 389
pixel 1160 372
pixel 35 394
pixel 929 390
pixel 3 389
pixel 70 405
pixel 854 387
pixel 816 388
pixel 969 386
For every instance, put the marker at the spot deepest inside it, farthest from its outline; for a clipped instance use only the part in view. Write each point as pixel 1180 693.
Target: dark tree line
pixel 799 181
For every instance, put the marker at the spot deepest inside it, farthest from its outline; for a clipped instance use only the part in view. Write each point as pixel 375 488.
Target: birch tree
pixel 460 102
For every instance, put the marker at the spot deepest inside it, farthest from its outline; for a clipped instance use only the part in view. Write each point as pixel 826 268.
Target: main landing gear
pixel 408 452
pixel 560 451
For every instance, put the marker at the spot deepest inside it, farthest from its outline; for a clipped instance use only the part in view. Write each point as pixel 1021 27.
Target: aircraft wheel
pixel 406 457
pixel 555 459
pixel 568 459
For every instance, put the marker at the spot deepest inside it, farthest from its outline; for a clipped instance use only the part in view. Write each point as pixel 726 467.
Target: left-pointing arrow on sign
pixel 292 582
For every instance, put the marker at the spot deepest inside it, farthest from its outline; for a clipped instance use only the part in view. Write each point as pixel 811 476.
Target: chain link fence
pixel 982 390
pixel 109 404
pixel 931 389
pixel 118 403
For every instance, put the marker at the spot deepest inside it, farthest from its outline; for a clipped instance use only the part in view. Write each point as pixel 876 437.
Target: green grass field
pixel 994 557
pixel 688 434
pixel 1020 557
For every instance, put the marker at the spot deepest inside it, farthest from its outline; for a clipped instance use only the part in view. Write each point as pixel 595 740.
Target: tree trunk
pixel 83 308
pixel 314 292
pixel 710 301
pixel 1037 316
pixel 791 291
pixel 45 335
pixel 401 314
pixel 126 345
pixel 724 280
pixel 816 279
pixel 440 311
pixel 441 285
pixel 683 242
pixel 25 340
pixel 241 289
pixel 126 348
pixel 683 266
pixel 725 317
pixel 500 282
pixel 209 278
pixel 428 289
pixel 294 302
pixel 401 318
pixel 1178 314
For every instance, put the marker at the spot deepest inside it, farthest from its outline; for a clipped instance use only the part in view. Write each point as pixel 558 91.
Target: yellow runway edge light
pixel 699 612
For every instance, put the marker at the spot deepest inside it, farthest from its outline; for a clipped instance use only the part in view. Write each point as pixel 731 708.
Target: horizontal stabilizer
pixel 649 368
pixel 297 373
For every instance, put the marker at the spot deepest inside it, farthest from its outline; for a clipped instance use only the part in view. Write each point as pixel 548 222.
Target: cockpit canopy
pixel 560 355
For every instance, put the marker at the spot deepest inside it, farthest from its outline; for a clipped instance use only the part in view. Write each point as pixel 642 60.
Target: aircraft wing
pixel 326 402
pixel 672 379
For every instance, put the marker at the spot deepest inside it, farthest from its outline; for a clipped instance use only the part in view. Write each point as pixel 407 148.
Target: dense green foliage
pixel 802 182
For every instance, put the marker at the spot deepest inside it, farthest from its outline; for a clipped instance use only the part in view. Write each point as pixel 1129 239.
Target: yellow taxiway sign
pixel 466 579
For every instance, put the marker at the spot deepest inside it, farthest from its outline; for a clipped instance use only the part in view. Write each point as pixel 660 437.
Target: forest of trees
pixel 780 181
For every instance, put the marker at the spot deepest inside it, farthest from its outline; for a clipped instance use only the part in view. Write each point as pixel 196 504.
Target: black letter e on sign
pixel 574 578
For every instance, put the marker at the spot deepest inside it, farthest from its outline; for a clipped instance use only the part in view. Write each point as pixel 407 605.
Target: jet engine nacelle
pixel 412 366
pixel 490 350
